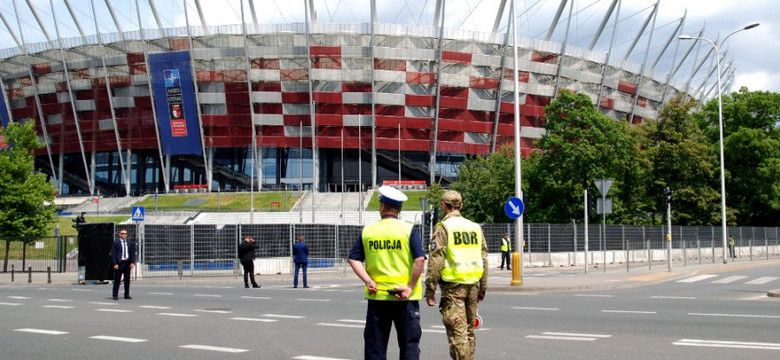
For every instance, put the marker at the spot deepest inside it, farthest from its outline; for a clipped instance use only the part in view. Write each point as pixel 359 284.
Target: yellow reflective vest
pixel 506 244
pixel 463 257
pixel 389 258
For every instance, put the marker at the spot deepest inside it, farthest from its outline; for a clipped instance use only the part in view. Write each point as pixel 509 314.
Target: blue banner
pixel 4 110
pixel 175 103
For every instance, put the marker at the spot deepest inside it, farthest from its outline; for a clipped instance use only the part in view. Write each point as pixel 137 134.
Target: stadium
pixel 397 91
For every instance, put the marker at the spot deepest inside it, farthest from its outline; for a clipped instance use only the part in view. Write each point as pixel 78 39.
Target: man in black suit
pixel 122 261
pixel 246 254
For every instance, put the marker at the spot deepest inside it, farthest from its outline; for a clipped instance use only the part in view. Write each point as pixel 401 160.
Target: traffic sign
pixel 514 207
pixel 138 213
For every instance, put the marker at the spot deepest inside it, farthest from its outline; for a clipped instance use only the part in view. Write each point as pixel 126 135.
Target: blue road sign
pixel 514 207
pixel 138 213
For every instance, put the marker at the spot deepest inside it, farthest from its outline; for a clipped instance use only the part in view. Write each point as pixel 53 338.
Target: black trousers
pixel 249 269
pixel 124 270
pixel 380 317
pixel 505 256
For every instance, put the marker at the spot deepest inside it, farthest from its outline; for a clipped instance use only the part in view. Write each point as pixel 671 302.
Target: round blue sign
pixel 514 207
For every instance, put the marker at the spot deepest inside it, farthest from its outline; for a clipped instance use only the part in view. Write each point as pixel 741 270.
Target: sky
pixel 752 53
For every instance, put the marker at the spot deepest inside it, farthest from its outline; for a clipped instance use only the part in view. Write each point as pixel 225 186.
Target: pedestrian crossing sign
pixel 138 213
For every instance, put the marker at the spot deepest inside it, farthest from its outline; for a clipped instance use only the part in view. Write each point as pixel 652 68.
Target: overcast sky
pixel 754 53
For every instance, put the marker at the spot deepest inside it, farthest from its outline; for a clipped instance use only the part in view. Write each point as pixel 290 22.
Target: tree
pixel 23 191
pixel 684 161
pixel 580 146
pixel 485 183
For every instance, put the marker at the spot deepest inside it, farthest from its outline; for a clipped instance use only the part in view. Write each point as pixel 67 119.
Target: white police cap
pixel 391 195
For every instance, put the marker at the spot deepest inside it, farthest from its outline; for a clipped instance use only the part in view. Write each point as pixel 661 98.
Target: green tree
pixel 580 146
pixel 684 161
pixel 23 191
pixel 485 183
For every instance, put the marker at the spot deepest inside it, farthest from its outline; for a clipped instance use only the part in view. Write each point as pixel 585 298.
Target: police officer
pixel 458 262
pixel 388 257
pixel 506 249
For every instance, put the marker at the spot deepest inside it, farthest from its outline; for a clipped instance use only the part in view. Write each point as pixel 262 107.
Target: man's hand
pixel 431 300
pixel 116 267
pixel 402 293
pixel 372 288
pixel 132 266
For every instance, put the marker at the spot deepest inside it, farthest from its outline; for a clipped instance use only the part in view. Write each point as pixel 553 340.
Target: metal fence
pixel 211 250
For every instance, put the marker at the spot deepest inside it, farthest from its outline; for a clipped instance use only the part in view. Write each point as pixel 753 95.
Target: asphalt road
pixel 705 316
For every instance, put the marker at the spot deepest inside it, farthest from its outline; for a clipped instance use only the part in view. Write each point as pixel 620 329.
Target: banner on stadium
pixel 5 118
pixel 175 103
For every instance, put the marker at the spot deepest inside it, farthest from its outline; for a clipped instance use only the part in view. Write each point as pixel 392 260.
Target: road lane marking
pixel 628 312
pixel 214 311
pixel 353 321
pixel 284 316
pixel 309 357
pixel 19 297
pixel 155 307
pixel 319 300
pixel 674 297
pixel 549 335
pixel 762 280
pixel 738 315
pixel 42 331
pixel 208 295
pixel 115 310
pixel 435 331
pixel 729 279
pixel 256 297
pixel 60 300
pixel 10 304
pixel 696 278
pixel 160 293
pixel 727 344
pixel 534 308
pixel 177 314
pixel 116 338
pixel 214 348
pixel 103 303
pixel 58 306
pixel 595 295
pixel 601 336
pixel 342 325
pixel 254 319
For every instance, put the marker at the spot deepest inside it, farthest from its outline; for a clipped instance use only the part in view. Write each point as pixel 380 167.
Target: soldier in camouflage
pixel 457 262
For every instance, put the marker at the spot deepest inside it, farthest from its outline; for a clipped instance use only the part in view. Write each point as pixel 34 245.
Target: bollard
pixel 48 270
pixel 29 274
pixel 12 272
pixel 179 268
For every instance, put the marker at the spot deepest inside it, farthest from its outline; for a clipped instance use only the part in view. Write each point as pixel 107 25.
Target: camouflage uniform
pixel 458 304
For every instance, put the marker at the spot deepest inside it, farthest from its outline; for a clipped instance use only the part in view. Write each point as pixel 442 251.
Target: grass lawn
pixel 217 202
pixel 413 204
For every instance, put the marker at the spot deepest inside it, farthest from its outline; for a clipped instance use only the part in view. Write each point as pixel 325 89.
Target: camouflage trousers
pixel 458 309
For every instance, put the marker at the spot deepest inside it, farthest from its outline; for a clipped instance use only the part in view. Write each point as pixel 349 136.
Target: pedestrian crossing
pixel 733 279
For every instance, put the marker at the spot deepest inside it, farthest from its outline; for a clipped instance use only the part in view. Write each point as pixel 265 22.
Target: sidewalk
pixel 534 279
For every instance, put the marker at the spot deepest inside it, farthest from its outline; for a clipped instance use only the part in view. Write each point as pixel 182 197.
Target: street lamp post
pixel 720 128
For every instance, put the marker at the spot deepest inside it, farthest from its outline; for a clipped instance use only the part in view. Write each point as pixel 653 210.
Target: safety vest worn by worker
pixel 505 245
pixel 463 257
pixel 389 258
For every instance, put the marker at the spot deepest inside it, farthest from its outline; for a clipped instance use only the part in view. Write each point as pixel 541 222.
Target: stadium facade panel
pixel 396 103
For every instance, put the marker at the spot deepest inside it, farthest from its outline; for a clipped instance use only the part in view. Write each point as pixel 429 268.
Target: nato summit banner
pixel 174 100
pixel 5 119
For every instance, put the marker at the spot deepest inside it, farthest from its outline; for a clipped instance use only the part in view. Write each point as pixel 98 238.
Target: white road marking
pixel 10 304
pixel 728 344
pixel 103 303
pixel 628 312
pixel 256 297
pixel 309 357
pixel 284 316
pixel 548 337
pixel 600 336
pixel 341 325
pixel 438 326
pixel 160 293
pixel 115 310
pixel 317 300
pixel 435 331
pixel 595 295
pixel 60 300
pixel 208 295
pixel 353 321
pixel 19 297
pixel 729 279
pixel 155 307
pixel 674 297
pixel 41 331
pixel 738 315
pixel 58 306
pixel 213 348
pixel 116 338
pixel 762 280
pixel 215 311
pixel 534 308
pixel 696 278
pixel 177 314
pixel 254 319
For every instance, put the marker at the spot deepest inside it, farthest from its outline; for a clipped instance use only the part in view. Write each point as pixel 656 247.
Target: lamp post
pixel 720 128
